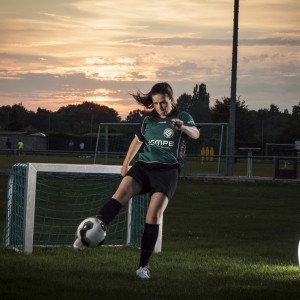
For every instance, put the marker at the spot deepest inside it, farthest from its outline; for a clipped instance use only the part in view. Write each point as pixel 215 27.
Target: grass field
pixel 221 241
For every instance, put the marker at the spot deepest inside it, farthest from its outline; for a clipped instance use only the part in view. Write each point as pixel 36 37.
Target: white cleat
pixel 143 272
pixel 78 244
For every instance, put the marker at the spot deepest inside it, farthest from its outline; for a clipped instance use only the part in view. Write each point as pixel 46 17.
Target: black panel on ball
pixel 86 226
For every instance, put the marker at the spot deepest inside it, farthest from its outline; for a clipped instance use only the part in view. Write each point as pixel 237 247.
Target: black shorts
pixel 158 179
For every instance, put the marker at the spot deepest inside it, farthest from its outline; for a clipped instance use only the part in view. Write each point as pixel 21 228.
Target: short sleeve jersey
pixel 163 144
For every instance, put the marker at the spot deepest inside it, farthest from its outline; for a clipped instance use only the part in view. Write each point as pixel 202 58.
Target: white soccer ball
pixel 91 232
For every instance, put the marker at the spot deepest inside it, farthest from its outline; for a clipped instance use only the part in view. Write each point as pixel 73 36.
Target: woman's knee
pixel 154 218
pixel 122 196
pixel 126 190
pixel 157 206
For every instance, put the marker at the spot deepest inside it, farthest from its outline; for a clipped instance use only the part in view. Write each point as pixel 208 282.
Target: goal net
pixel 46 203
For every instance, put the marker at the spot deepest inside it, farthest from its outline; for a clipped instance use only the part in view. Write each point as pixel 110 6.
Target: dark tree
pixel 197 104
pixel 245 129
pixel 82 118
pixel 19 118
pixel 135 116
pixel 42 120
pixel 5 113
pixel 291 126
pixel 296 112
pixel 184 102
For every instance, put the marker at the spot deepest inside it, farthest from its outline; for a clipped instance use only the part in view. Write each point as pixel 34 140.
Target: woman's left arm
pixel 191 131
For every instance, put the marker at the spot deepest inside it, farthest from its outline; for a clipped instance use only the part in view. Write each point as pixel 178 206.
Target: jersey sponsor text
pixel 161 143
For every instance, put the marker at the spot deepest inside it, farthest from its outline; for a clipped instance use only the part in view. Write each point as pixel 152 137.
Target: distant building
pixel 32 142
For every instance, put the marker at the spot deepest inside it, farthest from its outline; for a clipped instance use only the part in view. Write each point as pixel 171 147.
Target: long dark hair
pixel 159 88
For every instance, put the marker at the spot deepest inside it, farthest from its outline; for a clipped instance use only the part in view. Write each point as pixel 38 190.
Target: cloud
pixel 74 50
pixel 182 71
pixel 187 41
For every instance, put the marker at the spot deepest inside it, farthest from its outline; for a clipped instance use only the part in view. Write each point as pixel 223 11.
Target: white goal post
pixel 59 203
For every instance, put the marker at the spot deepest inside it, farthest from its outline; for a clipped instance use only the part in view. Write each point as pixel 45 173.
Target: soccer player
pixel 163 132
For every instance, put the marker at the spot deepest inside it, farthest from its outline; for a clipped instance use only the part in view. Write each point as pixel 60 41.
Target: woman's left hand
pixel 176 123
pixel 191 131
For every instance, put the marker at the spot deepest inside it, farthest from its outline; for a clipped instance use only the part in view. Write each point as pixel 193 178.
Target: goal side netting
pixel 46 203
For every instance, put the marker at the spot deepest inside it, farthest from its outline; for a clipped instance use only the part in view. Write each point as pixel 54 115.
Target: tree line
pixel 253 128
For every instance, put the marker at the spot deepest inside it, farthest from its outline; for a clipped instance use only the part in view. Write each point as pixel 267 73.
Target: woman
pixel 163 132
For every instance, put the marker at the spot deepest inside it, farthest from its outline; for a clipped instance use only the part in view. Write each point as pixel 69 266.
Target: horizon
pixel 67 52
pixel 123 118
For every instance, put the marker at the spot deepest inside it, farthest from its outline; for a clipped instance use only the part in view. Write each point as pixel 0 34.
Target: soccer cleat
pixel 78 245
pixel 143 272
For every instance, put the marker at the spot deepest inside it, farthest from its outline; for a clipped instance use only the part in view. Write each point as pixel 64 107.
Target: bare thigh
pixel 127 189
pixel 159 202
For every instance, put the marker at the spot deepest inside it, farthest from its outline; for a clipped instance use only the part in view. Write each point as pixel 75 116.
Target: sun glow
pixel 97 99
pixel 99 95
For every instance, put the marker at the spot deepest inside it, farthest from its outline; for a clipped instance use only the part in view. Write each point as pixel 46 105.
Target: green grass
pixel 221 241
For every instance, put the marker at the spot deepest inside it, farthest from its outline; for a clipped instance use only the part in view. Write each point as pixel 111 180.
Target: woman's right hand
pixel 132 151
pixel 124 170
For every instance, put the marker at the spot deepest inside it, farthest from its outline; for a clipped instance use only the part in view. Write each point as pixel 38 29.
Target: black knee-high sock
pixel 109 210
pixel 148 243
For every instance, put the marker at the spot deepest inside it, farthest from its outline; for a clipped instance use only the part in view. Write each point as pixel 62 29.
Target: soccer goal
pixel 46 203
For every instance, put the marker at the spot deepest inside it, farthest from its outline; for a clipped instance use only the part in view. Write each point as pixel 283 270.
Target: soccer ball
pixel 91 233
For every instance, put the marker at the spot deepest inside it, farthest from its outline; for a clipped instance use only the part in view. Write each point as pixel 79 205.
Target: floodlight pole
pixel 232 113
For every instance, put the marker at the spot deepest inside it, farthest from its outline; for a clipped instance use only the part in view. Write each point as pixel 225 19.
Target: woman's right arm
pixel 132 151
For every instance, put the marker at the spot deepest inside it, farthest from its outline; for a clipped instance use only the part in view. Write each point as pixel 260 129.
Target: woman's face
pixel 162 104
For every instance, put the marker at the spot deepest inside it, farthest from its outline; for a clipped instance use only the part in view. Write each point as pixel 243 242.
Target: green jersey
pixel 163 144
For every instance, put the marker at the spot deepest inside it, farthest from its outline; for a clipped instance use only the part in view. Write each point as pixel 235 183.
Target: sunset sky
pixel 60 52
